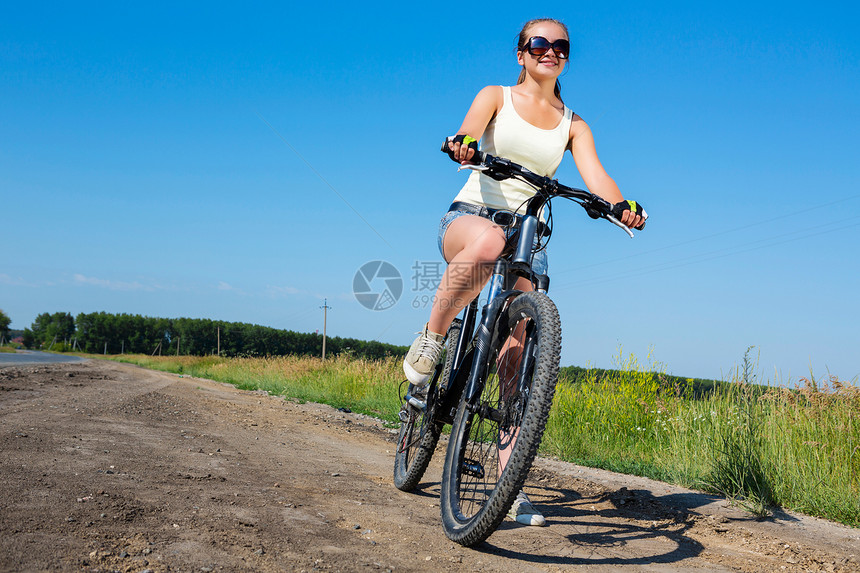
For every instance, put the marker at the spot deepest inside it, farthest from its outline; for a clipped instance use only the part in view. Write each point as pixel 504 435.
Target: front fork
pixel 498 298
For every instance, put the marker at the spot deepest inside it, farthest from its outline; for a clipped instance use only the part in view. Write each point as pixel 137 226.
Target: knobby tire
pixel 475 499
pixel 418 436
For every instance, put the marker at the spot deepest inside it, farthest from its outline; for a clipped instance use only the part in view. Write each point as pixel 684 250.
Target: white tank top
pixel 510 136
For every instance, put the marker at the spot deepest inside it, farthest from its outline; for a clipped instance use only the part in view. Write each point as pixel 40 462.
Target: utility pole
pixel 219 341
pixel 325 308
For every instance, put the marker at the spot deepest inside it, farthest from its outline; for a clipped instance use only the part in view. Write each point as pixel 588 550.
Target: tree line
pixel 694 388
pixel 102 332
pixel 5 321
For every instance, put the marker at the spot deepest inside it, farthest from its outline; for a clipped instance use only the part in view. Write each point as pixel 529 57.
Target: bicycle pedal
pixel 416 403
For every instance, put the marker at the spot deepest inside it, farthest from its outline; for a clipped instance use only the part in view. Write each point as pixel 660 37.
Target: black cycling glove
pixel 462 139
pixel 627 205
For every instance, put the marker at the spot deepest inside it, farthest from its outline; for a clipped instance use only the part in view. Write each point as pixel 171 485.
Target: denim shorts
pixel 540 262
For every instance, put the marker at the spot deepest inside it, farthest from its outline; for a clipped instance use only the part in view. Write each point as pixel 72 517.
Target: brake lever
pixel 619 224
pixel 473 167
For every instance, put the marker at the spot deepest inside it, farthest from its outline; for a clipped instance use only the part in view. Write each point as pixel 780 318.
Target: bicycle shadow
pixel 623 527
pixel 590 525
pixel 428 489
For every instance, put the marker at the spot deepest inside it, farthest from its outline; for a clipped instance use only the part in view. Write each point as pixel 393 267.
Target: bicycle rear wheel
pixel 493 445
pixel 419 430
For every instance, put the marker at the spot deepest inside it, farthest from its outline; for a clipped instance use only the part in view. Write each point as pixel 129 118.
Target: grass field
pixel 762 446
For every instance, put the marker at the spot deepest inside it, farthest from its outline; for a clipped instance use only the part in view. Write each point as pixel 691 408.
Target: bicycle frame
pixel 471 355
pixel 472 348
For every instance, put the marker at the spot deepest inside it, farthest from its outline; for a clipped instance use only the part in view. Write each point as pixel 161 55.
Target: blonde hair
pixel 524 37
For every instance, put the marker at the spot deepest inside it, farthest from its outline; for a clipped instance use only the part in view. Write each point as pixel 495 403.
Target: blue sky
pixel 242 163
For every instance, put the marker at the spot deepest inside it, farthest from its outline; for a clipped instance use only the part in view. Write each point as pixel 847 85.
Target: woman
pixel 530 125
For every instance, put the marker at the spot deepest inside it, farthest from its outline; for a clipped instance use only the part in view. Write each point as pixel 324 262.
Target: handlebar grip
pixel 618 210
pixel 477 158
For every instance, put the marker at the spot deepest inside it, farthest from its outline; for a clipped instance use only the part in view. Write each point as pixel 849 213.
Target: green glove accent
pixel 463 140
pixel 632 206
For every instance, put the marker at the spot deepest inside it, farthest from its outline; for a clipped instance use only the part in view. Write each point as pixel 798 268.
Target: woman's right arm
pixel 484 108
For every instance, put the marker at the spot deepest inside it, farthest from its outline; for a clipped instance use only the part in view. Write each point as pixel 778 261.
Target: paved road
pixel 23 357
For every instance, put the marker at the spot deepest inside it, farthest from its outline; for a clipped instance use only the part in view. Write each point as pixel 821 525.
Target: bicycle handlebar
pixel 500 168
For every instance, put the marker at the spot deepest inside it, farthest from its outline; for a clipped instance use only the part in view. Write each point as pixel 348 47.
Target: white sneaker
pixel 522 511
pixel 423 356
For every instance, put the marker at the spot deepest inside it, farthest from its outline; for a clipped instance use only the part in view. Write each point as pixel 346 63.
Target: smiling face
pixel 548 65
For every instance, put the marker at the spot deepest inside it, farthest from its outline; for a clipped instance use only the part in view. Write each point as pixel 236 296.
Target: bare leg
pixel 472 244
pixel 508 369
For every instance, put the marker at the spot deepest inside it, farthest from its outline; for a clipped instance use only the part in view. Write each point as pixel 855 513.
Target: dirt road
pixel 109 467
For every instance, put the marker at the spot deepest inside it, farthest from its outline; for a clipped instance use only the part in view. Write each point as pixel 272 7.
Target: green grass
pixel 761 446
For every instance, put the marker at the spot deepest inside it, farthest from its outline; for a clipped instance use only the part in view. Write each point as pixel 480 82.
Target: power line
pixel 300 314
pixel 705 237
pixel 703 257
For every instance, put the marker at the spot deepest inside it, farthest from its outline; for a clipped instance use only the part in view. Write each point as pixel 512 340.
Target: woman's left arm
pixel 593 174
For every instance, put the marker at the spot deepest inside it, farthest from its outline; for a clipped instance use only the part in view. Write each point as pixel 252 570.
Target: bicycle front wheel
pixel 419 430
pixel 494 443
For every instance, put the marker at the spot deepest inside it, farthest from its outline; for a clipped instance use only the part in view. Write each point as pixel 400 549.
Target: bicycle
pixel 496 380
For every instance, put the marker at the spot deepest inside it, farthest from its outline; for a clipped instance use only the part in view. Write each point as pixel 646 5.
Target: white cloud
pixel 80 279
pixel 13 281
pixel 227 287
pixel 282 291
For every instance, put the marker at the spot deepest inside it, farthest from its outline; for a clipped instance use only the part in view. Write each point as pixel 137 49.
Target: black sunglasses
pixel 538 46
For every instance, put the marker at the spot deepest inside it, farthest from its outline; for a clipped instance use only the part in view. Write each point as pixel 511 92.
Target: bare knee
pixel 473 239
pixel 487 247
